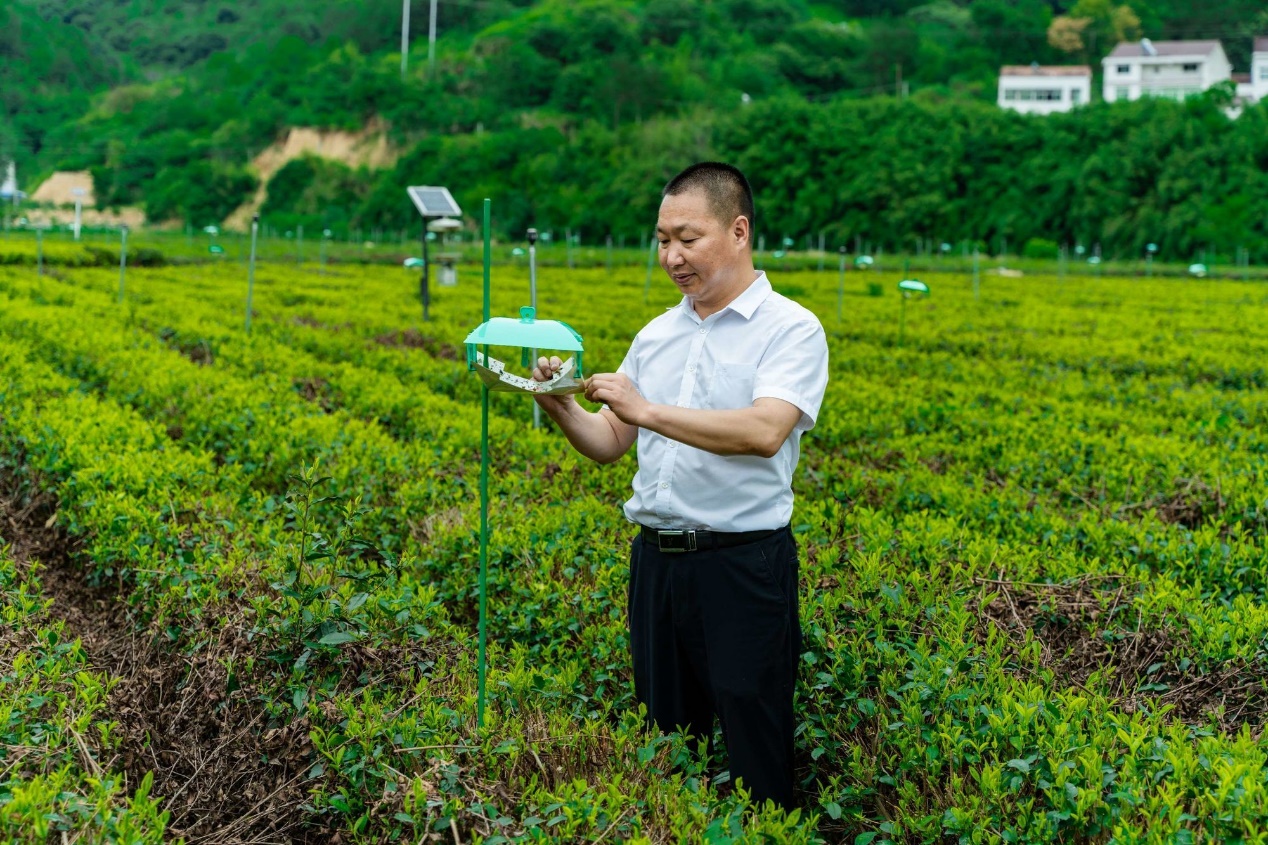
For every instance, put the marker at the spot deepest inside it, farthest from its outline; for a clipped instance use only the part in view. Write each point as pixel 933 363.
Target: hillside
pixel 368 148
pixel 47 71
pixel 566 111
pixel 162 36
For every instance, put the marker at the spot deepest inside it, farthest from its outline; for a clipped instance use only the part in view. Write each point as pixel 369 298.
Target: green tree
pixel 820 58
pixel 1092 28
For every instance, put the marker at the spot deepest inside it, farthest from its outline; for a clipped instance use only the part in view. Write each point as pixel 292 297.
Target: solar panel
pixel 433 201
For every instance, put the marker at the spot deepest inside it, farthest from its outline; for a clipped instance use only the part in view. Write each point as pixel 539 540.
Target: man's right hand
pixel 600 436
pixel 547 369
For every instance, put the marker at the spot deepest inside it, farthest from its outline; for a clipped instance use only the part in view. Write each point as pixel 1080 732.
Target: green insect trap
pixel 907 288
pixel 528 334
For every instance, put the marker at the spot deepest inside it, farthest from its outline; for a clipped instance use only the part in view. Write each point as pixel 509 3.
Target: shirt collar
pixel 744 304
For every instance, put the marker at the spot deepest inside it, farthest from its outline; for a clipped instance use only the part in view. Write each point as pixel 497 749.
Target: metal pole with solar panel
pixel 432 202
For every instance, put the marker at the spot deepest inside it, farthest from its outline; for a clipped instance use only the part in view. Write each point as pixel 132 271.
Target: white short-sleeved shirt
pixel 762 344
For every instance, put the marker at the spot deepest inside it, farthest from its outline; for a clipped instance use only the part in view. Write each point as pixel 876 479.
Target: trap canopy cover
pixel 528 333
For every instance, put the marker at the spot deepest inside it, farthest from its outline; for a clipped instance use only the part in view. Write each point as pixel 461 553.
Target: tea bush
pixel 1031 530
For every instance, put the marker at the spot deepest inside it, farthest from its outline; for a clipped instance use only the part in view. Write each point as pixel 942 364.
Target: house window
pixel 1191 67
pixel 1033 95
pixel 1263 73
pixel 1171 93
pixel 1076 96
pixel 1124 68
pixel 1121 92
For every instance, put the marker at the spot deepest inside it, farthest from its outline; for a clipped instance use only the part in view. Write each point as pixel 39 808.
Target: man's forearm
pixel 759 430
pixel 591 434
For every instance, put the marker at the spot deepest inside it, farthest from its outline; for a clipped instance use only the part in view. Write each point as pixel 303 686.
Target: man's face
pixel 697 250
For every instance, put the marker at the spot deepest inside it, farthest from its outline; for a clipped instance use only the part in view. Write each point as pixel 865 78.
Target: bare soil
pixel 1089 626
pixel 317 390
pixel 367 148
pixel 313 323
pixel 1190 504
pixel 227 772
pixel 414 339
pixel 197 351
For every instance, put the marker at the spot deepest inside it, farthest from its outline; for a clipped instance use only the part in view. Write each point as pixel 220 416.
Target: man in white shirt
pixel 716 392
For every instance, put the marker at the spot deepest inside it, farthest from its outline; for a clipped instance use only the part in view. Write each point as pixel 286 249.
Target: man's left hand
pixel 617 392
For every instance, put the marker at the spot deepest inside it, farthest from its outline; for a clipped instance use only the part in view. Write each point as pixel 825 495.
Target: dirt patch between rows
pixel 197 351
pixel 226 773
pixel 1089 626
pixel 317 390
pixel 1190 504
pixel 313 323
pixel 414 339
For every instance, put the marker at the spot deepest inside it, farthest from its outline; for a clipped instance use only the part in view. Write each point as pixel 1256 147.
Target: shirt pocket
pixel 732 386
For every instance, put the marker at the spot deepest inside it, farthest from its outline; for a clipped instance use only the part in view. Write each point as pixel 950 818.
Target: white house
pixel 1044 89
pixel 1252 87
pixel 1172 69
pixel 1245 93
pixel 1259 70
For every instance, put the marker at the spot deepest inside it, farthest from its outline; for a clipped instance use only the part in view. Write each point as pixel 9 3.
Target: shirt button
pixel 692 368
pixel 673 444
pixel 664 485
pixel 703 331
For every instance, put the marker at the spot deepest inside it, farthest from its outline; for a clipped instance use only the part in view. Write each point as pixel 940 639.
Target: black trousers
pixel 717 632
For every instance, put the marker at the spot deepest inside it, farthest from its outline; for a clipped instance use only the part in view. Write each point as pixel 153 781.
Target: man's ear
pixel 742 231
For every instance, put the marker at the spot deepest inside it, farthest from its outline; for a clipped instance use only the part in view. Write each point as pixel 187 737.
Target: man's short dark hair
pixel 728 192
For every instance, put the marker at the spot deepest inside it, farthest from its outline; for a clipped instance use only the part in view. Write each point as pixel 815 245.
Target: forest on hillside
pixel 854 117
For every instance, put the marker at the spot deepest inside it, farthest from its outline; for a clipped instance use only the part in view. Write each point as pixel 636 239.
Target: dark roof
pixel 1241 77
pixel 1133 49
pixel 1045 70
pixel 1261 44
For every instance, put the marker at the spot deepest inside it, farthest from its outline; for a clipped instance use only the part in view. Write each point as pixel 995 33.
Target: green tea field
pixel 238 594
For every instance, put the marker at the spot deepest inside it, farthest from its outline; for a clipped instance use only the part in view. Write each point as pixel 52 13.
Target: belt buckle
pixel 688 541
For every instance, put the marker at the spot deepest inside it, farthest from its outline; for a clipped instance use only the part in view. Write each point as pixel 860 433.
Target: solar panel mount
pixel 433 201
